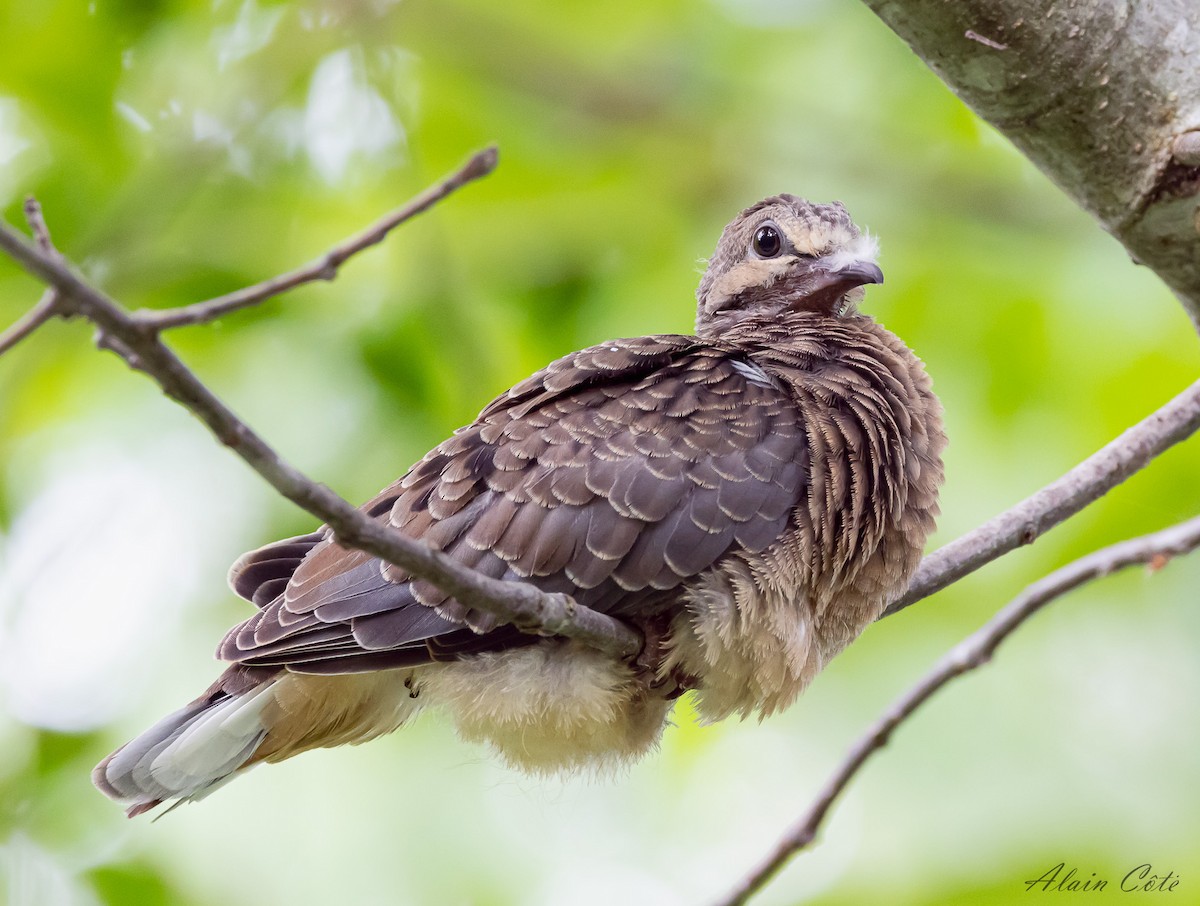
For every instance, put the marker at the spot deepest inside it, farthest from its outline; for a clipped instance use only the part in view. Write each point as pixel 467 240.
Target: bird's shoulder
pixel 613 364
pixel 663 396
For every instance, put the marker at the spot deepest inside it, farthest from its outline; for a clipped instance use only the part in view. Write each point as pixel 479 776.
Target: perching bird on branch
pixel 748 497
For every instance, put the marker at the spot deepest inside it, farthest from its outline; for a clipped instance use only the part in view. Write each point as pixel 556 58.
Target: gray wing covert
pixel 613 475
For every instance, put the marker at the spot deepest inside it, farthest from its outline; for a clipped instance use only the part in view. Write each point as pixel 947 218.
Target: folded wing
pixel 614 475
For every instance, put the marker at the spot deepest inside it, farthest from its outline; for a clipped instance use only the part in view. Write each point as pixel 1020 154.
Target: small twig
pixel 37 224
pixel 46 308
pixel 326 267
pixel 517 602
pixel 973 652
pixel 1037 514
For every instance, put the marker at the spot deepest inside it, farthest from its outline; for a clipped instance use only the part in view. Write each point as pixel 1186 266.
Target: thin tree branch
pixel 326 267
pixel 973 652
pixel 1132 451
pixel 514 602
pixel 46 308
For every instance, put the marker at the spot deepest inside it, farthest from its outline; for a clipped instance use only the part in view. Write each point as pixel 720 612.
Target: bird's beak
pixel 856 273
pixel 830 281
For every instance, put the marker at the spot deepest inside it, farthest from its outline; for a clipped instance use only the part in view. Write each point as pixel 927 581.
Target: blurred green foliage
pixel 182 149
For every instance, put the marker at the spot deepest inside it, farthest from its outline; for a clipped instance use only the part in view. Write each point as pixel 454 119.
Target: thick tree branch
pixel 140 346
pixel 326 267
pixel 1132 451
pixel 973 652
pixel 1102 96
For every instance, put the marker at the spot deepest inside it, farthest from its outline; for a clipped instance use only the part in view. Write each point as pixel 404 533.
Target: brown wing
pixel 613 475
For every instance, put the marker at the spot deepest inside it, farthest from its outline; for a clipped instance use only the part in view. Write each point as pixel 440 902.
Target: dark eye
pixel 767 243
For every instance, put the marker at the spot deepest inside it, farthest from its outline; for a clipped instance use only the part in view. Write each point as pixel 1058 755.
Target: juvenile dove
pixel 748 497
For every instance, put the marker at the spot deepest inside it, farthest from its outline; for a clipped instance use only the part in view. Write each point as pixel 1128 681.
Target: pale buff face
pixel 816 244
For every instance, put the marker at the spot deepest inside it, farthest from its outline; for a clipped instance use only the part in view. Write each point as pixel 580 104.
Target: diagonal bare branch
pixel 973 652
pixel 141 347
pixel 326 267
pixel 1132 451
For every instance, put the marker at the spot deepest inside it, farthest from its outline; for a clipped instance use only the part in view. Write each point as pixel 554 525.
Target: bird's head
pixel 786 254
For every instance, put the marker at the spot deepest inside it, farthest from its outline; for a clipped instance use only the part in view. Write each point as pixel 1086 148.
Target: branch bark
pixel 1103 96
pixel 973 652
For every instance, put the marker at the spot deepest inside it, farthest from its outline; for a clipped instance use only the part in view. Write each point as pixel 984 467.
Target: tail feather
pixel 214 743
pixel 247 716
pixel 186 754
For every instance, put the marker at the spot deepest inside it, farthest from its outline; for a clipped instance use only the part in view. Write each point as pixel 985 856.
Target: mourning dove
pixel 748 497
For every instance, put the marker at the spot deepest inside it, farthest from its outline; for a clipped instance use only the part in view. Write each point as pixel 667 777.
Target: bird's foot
pixel 648 665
